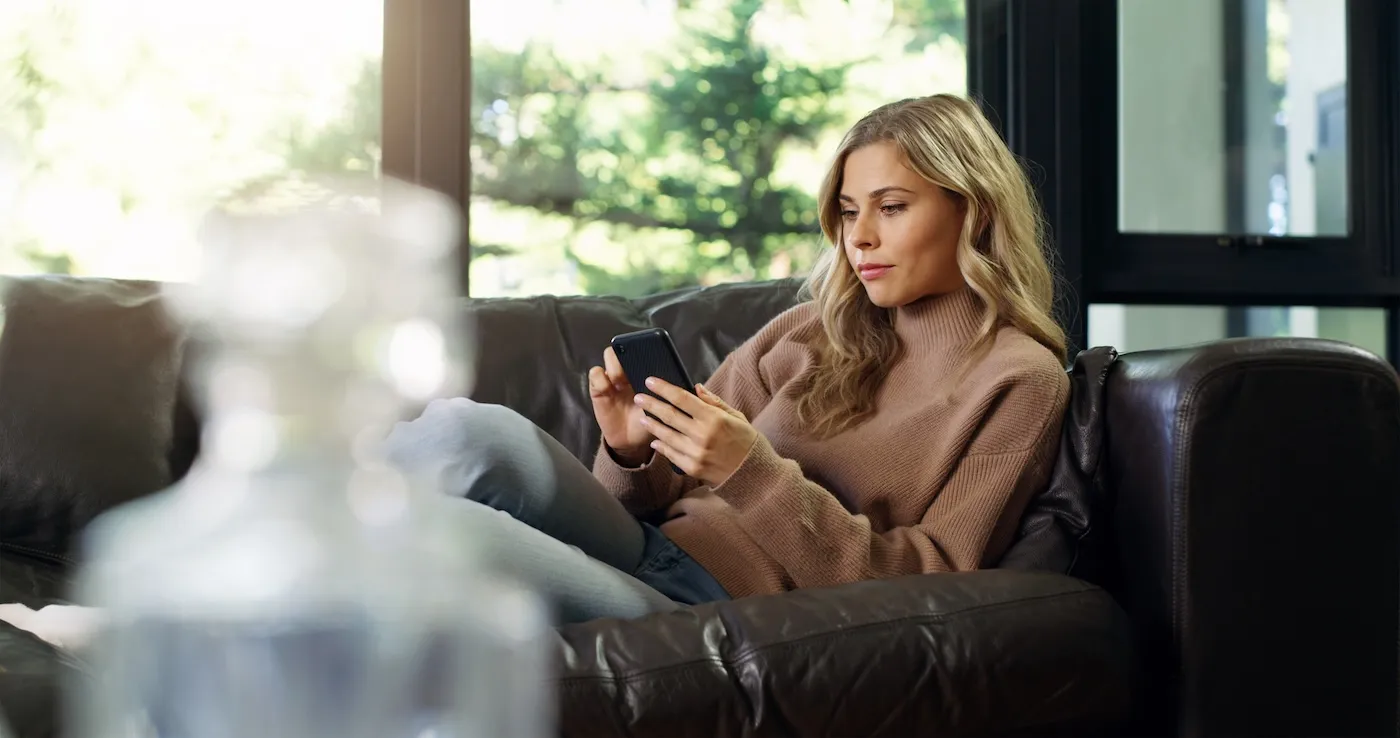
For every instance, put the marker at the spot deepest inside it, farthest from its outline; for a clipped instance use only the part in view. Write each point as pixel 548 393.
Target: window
pixel 1268 156
pixel 1243 147
pixel 1143 327
pixel 1204 155
pixel 1254 155
pixel 630 146
pixel 125 121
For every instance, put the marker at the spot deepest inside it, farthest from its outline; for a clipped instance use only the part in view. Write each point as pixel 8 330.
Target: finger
pixel 670 436
pixel 613 368
pixel 663 412
pixel 714 399
pixel 683 400
pixel 598 384
pixel 686 463
pixel 705 394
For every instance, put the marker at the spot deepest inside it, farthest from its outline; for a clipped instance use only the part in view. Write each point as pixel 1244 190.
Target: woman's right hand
pixel 619 416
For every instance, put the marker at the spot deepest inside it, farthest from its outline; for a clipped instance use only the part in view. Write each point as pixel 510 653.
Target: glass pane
pixel 126 120
pixel 1143 327
pixel 1232 117
pixel 629 146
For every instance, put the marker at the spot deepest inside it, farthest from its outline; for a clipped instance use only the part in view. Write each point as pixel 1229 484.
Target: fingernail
pixel 702 388
pixel 651 381
pixel 637 399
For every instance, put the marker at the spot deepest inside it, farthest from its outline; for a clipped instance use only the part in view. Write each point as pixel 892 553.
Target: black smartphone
pixel 651 353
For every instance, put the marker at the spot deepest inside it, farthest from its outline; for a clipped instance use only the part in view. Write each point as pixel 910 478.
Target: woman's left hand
pixel 710 444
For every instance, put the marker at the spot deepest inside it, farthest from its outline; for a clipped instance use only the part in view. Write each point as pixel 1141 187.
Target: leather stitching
pixel 37 553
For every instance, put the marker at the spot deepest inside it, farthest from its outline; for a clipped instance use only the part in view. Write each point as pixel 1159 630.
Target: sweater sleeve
pixel 739 381
pixel 644 489
pixel 969 523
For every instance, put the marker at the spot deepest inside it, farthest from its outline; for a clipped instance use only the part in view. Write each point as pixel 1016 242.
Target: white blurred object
pixel 10 163
pixel 69 627
pixel 293 585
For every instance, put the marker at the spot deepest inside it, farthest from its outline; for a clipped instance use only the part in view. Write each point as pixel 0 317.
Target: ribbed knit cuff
pixel 761 472
pixel 641 490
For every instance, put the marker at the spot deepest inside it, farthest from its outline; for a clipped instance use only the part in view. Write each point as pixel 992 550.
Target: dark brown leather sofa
pixel 1217 555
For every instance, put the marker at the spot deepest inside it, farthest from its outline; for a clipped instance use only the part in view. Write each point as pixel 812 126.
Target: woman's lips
pixel 872 271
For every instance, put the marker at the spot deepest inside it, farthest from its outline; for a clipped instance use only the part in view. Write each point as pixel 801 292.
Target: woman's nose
pixel 861 235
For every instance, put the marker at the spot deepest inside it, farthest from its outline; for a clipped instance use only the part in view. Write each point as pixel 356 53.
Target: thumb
pixel 598 384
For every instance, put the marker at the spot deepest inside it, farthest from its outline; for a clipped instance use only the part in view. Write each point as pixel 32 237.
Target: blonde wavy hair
pixel 1002 254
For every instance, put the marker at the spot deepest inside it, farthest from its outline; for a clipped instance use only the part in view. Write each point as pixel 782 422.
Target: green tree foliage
pixel 699 160
pixel 931 20
pixel 691 159
pixel 128 119
pixel 350 143
pixel 632 183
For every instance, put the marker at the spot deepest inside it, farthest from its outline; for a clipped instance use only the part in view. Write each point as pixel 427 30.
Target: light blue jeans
pixel 546 519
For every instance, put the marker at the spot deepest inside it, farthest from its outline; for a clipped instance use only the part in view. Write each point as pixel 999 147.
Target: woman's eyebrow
pixel 881 192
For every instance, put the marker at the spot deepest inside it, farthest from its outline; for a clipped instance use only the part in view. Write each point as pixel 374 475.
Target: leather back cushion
pixel 93 412
pixel 1064 528
pixel 89 381
pixel 533 354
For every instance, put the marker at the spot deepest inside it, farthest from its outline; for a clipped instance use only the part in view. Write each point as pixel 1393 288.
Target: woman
pixel 896 423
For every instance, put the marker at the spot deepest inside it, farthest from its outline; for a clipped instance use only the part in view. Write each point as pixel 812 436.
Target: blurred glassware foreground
pixel 293 585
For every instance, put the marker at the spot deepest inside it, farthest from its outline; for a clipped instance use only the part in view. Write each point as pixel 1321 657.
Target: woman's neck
pixel 939 324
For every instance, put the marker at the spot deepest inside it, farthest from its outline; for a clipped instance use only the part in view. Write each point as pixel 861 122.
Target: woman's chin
pixel 883 298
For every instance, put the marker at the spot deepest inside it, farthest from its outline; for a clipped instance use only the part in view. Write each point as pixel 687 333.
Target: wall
pixel 1317 62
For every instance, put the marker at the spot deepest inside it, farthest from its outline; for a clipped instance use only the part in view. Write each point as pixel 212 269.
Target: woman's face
pixel 900 233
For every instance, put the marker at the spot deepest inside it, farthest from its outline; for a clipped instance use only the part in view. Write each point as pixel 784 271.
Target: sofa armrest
pixel 33 678
pixel 33 674
pixel 989 652
pixel 1258 528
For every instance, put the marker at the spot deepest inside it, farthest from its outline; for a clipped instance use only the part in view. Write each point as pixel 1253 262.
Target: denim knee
pixel 470 446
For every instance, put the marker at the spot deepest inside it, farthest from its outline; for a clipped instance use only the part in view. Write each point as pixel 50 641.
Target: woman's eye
pixel 848 214
pixel 892 208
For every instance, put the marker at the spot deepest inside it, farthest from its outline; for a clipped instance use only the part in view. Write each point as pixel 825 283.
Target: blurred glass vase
pixel 294 585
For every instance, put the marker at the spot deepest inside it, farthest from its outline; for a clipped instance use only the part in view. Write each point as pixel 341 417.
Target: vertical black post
pixel 1024 65
pixel 987 80
pixel 1236 141
pixel 1236 322
pixel 1392 333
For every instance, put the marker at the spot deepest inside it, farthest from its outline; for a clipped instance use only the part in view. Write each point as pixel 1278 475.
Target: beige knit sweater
pixel 935 481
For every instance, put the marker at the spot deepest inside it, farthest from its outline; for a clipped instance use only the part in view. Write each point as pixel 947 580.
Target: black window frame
pixel 1050 70
pixel 1026 67
pixel 1235 264
pixel 1047 74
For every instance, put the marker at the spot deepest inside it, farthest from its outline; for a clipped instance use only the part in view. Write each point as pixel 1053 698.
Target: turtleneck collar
pixel 938 323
